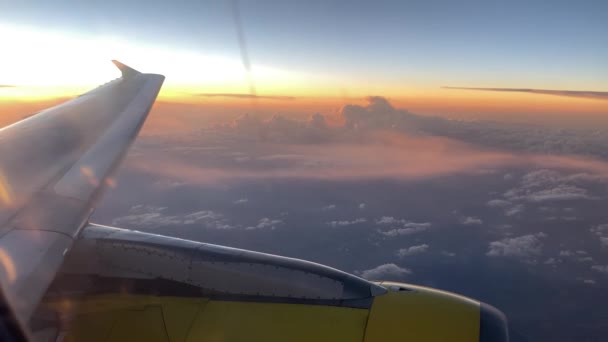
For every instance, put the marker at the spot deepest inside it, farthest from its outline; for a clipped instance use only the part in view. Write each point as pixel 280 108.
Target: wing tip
pixel 126 70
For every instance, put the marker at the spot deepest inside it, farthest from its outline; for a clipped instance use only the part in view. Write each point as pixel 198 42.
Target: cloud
pixel 241 201
pixel 346 222
pixel 566 253
pixel 601 95
pixel 514 210
pixel 403 252
pixel 559 193
pixel 358 141
pixel 329 207
pixel 362 206
pixel 550 261
pixel 246 96
pixel 385 272
pixel 498 203
pixel 523 246
pixel 601 231
pixel 545 185
pixel 401 226
pixel 600 268
pixel 407 231
pixel 470 220
pixel 389 220
pixel 266 223
pixel 7 86
pixel 146 216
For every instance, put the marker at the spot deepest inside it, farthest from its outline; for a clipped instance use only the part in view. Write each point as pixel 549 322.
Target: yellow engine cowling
pixel 404 313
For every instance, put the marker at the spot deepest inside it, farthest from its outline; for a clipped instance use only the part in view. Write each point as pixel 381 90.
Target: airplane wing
pixel 53 168
pixel 68 279
pixel 600 95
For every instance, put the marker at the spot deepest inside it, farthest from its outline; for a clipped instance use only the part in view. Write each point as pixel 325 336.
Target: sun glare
pixel 39 64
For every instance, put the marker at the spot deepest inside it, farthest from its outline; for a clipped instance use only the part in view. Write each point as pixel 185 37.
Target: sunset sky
pixel 311 56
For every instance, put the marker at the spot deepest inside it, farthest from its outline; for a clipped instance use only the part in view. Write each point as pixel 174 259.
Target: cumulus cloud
pixel 344 223
pixel 471 220
pixel 498 203
pixel 354 143
pixel 601 231
pixel 385 272
pixel 401 226
pixel 266 223
pixel 146 216
pixel 514 210
pixel 412 250
pixel 389 220
pixel 549 185
pixel 523 246
pixel 600 268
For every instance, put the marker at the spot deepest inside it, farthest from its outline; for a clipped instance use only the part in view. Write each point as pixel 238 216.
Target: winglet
pixel 126 70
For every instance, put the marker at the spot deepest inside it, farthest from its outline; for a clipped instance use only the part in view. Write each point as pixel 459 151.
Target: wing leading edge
pixel 53 167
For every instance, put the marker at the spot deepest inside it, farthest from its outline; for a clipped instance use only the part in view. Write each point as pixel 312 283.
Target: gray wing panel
pixel 114 252
pixel 53 168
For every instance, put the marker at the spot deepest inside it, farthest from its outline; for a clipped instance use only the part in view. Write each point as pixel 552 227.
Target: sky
pixel 314 55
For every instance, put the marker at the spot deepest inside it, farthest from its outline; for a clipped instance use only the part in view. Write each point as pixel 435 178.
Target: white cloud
pixel 471 220
pixel 550 261
pixel 346 222
pixel 498 203
pixel 362 205
pixel 514 210
pixel 388 220
pixel 385 272
pixel 401 226
pixel 600 230
pixel 403 252
pixel 329 207
pixel 549 185
pixel 589 281
pixel 522 246
pixel 146 216
pixel 559 193
pixel 266 223
pixel 585 259
pixel 566 253
pixel 241 201
pixel 600 268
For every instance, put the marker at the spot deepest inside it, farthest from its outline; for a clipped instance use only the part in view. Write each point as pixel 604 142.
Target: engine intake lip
pixel 493 325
